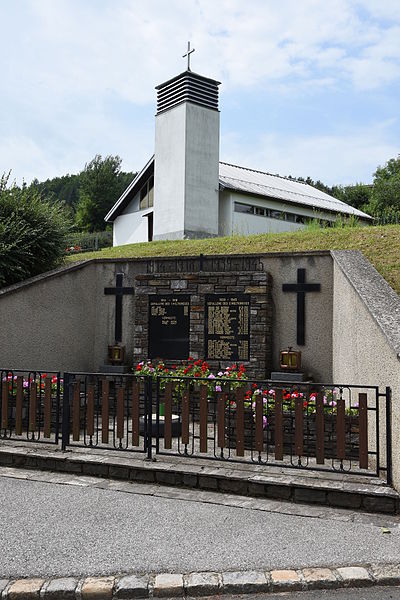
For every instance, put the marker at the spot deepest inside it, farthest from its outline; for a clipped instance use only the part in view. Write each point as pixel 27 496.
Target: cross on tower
pixel 188 53
pixel 118 292
pixel 301 287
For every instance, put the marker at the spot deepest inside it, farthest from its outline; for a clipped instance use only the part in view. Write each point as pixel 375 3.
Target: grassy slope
pixel 381 245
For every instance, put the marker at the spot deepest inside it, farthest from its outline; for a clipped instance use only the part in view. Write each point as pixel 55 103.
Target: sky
pixel 308 87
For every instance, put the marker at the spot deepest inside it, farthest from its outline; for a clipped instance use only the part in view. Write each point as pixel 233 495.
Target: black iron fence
pixel 107 411
pixel 30 405
pixel 343 428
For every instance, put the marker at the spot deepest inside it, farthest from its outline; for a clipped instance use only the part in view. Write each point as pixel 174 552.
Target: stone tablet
pixel 227 327
pixel 169 326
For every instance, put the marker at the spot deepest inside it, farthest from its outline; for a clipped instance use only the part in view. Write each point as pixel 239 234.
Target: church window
pixel 147 194
pixel 244 208
pixel 276 214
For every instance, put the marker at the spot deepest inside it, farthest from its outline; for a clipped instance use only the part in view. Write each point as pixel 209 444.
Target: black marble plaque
pixel 227 327
pixel 169 326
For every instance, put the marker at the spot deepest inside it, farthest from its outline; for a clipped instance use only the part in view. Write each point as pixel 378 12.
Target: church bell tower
pixel 186 177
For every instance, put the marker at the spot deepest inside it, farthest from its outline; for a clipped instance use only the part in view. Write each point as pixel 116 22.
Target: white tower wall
pixel 186 172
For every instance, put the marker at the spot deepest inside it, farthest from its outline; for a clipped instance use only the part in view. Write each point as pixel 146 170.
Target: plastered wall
pixel 366 338
pixel 65 321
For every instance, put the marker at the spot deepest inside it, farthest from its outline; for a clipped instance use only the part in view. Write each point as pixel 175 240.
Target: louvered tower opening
pixel 187 87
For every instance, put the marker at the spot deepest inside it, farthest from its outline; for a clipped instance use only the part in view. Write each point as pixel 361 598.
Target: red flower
pixel 197 374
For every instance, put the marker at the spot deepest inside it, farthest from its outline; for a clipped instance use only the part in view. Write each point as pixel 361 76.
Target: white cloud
pixel 71 63
pixel 334 159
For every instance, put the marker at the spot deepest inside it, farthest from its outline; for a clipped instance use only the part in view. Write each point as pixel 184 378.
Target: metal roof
pixel 264 184
pixel 249 181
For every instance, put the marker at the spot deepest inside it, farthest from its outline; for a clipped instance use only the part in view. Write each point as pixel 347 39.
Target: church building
pixel 184 191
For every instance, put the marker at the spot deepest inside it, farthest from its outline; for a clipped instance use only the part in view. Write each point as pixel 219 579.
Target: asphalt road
pixel 54 529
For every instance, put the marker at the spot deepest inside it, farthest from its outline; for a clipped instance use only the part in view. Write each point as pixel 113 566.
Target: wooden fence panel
pixel 32 406
pixel 105 392
pixel 185 417
pixel 203 417
pixel 168 416
pixel 76 409
pixel 120 412
pixel 47 408
pixel 18 405
pixel 341 430
pixel 278 424
pixel 221 420
pixel 259 433
pixel 135 412
pixel 240 422
pixel 4 404
pixel 320 429
pixel 363 427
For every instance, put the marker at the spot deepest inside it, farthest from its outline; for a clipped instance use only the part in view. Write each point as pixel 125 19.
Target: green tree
pixel 101 184
pixel 32 233
pixel 386 190
pixel 358 195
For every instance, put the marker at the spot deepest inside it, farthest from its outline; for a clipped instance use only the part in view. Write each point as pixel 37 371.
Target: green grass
pixel 381 245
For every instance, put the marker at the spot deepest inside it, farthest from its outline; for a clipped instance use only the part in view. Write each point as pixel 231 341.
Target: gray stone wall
pixel 256 284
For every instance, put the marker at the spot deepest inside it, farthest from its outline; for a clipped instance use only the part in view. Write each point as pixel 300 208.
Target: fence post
pixel 58 407
pixel 389 475
pixel 65 414
pixel 149 414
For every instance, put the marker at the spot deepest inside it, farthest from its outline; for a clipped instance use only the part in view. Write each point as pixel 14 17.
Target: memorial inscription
pixel 227 326
pixel 169 326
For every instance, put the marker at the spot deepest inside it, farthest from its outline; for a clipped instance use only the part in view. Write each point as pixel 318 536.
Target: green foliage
pixel 32 233
pixel 386 190
pixel 64 190
pixel 358 195
pixel 101 184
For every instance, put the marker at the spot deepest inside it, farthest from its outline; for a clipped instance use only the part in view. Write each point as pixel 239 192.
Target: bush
pixel 32 233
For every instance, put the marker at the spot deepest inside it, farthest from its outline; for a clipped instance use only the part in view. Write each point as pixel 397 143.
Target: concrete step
pixel 298 485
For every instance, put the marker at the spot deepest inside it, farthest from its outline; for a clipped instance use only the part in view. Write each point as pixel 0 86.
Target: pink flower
pixel 265 421
pixel 218 388
pixel 211 376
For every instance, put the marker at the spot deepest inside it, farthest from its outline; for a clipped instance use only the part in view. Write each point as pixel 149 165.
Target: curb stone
pixel 170 585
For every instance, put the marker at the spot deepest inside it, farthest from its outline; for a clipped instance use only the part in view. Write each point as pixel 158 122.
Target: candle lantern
pixel 116 354
pixel 290 360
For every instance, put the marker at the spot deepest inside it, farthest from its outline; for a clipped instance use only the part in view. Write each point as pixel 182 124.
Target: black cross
pixel 118 292
pixel 301 287
pixel 188 53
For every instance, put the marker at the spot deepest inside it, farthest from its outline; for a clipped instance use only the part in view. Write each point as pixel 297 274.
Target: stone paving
pixel 298 485
pixel 202 584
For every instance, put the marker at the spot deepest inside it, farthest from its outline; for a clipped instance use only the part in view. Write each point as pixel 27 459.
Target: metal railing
pixel 342 428
pixel 30 405
pixel 106 411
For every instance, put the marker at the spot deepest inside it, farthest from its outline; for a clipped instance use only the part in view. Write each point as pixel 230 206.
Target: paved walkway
pixel 55 524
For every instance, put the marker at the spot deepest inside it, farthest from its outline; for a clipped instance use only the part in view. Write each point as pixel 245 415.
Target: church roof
pixel 259 183
pixel 249 181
